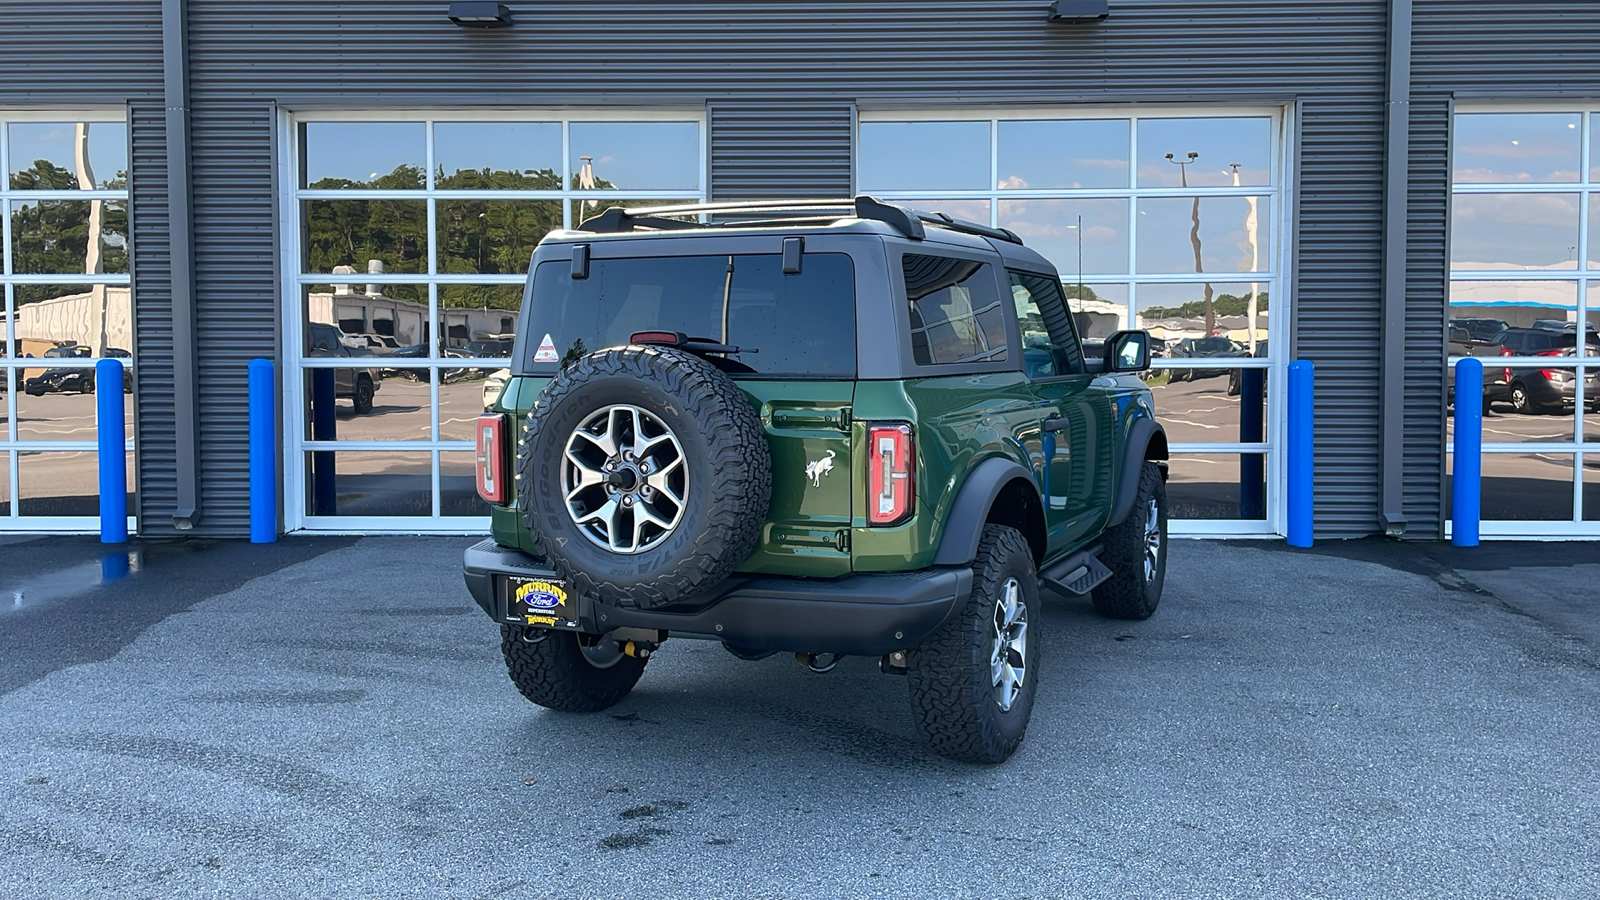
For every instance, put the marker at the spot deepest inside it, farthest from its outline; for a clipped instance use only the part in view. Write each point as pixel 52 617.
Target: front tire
pixel 1136 553
pixel 974 681
pixel 552 669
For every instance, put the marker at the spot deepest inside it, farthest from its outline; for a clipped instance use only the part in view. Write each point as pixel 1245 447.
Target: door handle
pixel 1055 424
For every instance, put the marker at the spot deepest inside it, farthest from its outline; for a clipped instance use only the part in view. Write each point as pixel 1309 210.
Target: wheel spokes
pixel 625 479
pixel 1009 654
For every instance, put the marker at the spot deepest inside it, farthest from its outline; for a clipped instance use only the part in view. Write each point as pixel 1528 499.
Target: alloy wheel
pixel 625 479
pixel 1152 540
pixel 1008 660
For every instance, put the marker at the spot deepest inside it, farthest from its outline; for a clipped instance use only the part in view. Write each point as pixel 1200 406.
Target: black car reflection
pixel 1235 378
pixel 75 380
pixel 1214 347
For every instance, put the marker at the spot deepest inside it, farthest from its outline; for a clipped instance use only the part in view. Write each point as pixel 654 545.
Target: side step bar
pixel 1076 575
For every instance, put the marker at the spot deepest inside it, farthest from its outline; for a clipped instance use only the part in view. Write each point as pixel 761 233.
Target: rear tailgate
pixel 808 430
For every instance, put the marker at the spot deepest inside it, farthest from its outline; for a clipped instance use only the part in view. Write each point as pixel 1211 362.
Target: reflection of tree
pixel 494 237
pixel 53 236
pixel 348 232
pixel 474 236
pixel 1082 293
pixel 1222 304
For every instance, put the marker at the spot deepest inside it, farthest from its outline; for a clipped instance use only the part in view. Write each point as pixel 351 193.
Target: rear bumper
pixel 858 615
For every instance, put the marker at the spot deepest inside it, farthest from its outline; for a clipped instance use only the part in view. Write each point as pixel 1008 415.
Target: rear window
pixel 956 314
pixel 790 326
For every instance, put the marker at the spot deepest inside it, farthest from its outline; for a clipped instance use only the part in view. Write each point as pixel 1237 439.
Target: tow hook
pixel 639 649
pixel 814 661
pixel 893 663
pixel 638 643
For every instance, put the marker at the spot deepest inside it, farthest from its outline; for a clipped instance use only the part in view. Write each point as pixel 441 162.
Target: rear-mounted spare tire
pixel 643 475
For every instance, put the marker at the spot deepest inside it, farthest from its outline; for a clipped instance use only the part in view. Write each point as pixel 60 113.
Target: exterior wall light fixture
pixel 1080 12
pixel 478 14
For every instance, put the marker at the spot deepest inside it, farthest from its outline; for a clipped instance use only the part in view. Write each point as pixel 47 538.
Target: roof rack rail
pixel 908 222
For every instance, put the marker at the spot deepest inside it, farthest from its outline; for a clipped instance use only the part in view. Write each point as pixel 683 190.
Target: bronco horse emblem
pixel 815 470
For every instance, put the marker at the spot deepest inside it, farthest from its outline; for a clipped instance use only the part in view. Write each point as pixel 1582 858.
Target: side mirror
pixel 1128 351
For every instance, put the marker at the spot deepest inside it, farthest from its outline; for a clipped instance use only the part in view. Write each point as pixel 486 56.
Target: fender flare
pixel 1141 436
pixel 958 546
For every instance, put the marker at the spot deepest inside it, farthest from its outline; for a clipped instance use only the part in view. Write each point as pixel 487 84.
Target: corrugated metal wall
pixel 750 143
pixel 152 314
pixel 779 79
pixel 1427 283
pixel 1338 245
pixel 56 54
pixel 233 148
pixel 1508 48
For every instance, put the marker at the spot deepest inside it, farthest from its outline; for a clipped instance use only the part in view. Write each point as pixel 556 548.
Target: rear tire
pixel 1521 403
pixel 969 700
pixel 1136 553
pixel 557 673
pixel 362 398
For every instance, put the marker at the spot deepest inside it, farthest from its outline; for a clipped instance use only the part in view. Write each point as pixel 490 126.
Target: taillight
pixel 890 487
pixel 1552 374
pixel 491 457
pixel 1505 374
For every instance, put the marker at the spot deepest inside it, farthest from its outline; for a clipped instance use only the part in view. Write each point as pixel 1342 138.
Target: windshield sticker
pixel 547 351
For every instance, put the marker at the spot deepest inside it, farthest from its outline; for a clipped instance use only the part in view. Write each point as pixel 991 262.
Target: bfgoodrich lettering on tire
pixel 1136 553
pixel 973 682
pixel 643 475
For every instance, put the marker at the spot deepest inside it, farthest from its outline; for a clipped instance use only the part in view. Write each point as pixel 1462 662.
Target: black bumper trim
pixel 866 614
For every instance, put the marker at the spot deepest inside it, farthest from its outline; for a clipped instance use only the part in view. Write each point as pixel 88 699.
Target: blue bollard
pixel 1467 483
pixel 1302 408
pixel 263 453
pixel 112 431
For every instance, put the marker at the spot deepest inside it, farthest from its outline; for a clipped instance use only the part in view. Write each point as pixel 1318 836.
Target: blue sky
pixel 1082 154
pixel 30 141
pixel 636 156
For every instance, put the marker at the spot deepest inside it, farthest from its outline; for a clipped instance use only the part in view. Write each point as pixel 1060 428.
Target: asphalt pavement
pixel 330 717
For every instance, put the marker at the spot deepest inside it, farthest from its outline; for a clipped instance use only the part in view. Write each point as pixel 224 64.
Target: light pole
pixel 1079 229
pixel 1194 236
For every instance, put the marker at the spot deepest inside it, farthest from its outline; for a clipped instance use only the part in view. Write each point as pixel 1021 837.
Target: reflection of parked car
pixel 1480 329
pixel 1559 325
pixel 1235 378
pixel 1215 347
pixel 1548 390
pixel 1462 344
pixel 1528 390
pixel 356 385
pixel 494 347
pixel 76 380
pixel 493 385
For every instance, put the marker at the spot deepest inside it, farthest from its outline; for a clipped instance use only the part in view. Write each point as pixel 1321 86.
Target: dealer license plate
pixel 541 602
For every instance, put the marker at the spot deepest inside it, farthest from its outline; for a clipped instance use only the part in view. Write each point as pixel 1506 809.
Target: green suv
pixel 822 428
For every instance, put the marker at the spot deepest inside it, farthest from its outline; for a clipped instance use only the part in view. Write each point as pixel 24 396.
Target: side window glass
pixel 956 316
pixel 1049 344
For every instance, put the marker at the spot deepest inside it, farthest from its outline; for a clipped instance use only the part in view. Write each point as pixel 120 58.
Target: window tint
pixel 1049 348
pixel 955 311
pixel 802 325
